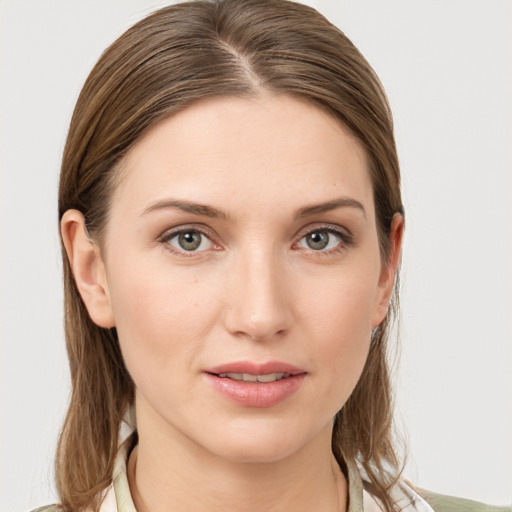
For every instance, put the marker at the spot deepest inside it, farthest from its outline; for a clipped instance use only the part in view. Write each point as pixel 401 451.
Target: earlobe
pixel 389 269
pixel 88 268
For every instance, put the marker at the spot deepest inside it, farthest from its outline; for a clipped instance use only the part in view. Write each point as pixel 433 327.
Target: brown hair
pixel 175 57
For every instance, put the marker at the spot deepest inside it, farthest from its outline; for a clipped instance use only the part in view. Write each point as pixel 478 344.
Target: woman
pixel 232 222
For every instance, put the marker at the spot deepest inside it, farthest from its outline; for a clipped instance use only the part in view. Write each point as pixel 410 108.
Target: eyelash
pixel 344 236
pixel 166 238
pixel 345 239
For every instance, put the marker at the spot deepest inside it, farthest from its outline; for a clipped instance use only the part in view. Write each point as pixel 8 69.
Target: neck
pixel 167 470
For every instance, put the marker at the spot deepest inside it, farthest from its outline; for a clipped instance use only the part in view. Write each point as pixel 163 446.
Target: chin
pixel 263 442
pixel 254 452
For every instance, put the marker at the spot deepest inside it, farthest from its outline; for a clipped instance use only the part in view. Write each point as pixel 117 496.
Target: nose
pixel 258 305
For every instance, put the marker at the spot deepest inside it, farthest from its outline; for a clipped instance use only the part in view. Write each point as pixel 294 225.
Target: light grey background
pixel 447 68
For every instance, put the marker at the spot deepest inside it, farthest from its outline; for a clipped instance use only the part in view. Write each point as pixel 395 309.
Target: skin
pixel 254 290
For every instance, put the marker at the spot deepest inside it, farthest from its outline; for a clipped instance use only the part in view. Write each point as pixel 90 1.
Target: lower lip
pixel 256 394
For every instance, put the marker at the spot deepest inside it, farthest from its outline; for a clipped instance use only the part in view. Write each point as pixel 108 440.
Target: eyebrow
pixel 210 211
pixel 342 202
pixel 188 207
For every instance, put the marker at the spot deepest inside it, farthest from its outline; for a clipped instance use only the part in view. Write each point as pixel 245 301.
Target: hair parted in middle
pixel 178 56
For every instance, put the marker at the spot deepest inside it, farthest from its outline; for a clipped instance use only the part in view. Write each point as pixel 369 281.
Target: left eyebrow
pixel 342 202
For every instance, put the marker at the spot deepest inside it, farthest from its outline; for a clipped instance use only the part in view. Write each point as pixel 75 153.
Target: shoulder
pixel 443 503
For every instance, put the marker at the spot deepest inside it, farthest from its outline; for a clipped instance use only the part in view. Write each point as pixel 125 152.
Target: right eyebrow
pixel 186 206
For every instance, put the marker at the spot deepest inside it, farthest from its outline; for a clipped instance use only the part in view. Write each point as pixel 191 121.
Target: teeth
pixel 271 377
pixel 234 376
pixel 248 377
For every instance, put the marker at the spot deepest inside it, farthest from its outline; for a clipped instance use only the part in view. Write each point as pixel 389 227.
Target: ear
pixel 389 270
pixel 88 268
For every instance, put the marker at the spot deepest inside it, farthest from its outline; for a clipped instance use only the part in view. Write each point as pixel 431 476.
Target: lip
pixel 256 394
pixel 256 368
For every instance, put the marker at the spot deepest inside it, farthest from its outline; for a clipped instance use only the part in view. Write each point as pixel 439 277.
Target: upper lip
pixel 255 368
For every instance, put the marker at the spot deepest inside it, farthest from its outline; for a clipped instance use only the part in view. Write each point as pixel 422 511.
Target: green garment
pixel 442 503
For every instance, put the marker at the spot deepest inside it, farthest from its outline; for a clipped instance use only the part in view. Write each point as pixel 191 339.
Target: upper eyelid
pixel 171 232
pixel 333 228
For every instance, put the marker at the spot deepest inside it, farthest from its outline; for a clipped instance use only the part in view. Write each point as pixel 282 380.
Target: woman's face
pixel 241 246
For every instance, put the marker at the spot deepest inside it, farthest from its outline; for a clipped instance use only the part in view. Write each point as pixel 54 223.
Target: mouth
pixel 256 385
pixel 247 371
pixel 249 377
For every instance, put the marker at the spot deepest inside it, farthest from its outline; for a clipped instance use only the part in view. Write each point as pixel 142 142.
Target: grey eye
pixel 190 241
pixel 320 240
pixel 317 240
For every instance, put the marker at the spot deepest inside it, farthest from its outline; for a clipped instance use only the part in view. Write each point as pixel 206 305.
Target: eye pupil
pixel 317 240
pixel 189 240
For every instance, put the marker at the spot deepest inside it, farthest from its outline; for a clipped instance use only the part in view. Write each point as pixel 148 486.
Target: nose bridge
pixel 259 305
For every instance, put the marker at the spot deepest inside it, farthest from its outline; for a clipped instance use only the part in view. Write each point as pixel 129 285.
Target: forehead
pixel 267 149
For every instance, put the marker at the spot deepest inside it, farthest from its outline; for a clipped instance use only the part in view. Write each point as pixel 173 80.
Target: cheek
pixel 339 320
pixel 161 315
pixel 343 302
